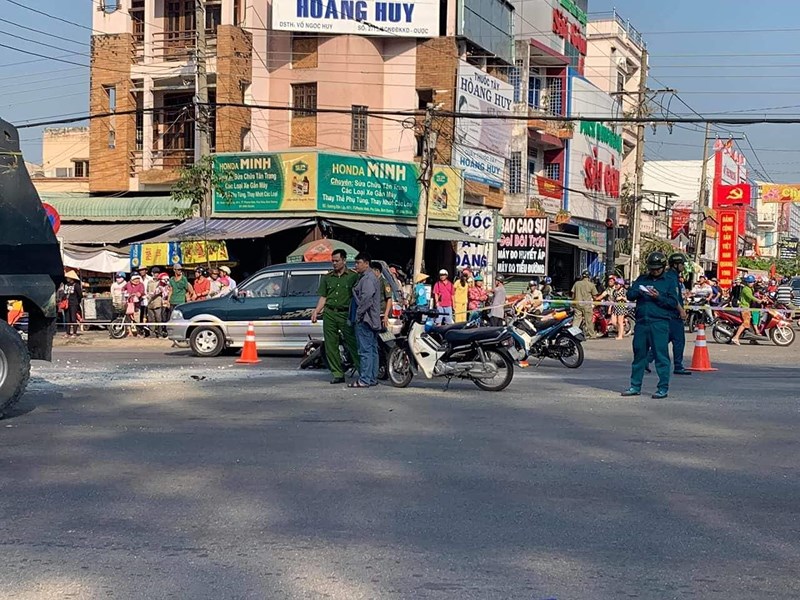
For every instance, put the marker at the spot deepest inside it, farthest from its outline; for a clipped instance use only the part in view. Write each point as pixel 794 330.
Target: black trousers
pixel 72 319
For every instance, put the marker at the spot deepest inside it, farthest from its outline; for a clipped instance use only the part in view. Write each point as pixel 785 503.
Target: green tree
pixel 198 184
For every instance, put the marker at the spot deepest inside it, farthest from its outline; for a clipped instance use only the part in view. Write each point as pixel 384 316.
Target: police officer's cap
pixel 656 260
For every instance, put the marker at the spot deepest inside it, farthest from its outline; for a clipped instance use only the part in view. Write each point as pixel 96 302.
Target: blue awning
pixel 229 229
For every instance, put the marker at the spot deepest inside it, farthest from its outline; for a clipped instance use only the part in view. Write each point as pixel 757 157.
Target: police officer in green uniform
pixel 656 297
pixel 335 296
pixel 677 332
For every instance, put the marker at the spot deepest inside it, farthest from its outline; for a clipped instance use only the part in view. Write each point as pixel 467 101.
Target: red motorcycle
pixel 602 322
pixel 773 325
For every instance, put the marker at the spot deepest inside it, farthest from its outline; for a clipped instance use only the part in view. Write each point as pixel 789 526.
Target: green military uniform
pixel 583 292
pixel 338 293
pixel 653 316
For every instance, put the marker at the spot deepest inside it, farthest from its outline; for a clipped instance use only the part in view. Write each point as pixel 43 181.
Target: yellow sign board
pixel 196 253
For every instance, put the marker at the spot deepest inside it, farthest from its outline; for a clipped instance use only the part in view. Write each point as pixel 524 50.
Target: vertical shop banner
pixel 522 248
pixel 475 256
pixel 447 194
pixel 727 246
pixel 482 144
pixel 680 221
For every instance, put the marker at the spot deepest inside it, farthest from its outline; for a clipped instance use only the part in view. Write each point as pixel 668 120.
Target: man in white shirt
pixel 704 289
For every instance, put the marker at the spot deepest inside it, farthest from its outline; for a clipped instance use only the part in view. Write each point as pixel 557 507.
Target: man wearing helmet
pixel 746 299
pixel 656 297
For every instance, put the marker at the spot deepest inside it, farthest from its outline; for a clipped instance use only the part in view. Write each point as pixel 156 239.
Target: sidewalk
pixel 101 339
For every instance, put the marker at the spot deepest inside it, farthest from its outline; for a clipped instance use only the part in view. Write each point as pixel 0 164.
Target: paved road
pixel 133 470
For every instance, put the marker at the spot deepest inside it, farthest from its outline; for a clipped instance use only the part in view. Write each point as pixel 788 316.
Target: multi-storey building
pixel 65 161
pixel 616 50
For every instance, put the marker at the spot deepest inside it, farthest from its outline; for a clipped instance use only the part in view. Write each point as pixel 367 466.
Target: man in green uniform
pixel 656 297
pixel 335 295
pixel 583 293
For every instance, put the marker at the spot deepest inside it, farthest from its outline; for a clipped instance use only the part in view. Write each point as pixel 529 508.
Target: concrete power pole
pixel 702 200
pixel 636 226
pixel 429 140
pixel 202 144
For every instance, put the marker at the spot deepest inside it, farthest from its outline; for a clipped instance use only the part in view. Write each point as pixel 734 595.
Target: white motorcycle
pixel 478 354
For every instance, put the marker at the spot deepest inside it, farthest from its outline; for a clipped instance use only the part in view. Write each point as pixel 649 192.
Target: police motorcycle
pixel 550 335
pixel 479 354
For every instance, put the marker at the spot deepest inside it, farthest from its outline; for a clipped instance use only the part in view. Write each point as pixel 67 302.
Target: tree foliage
pixel 197 183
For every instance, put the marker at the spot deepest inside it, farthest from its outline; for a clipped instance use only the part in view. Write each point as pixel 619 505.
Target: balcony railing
pixel 163 159
pixel 179 45
pixel 624 24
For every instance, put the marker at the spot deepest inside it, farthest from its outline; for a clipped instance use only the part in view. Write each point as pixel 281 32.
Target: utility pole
pixel 636 226
pixel 202 145
pixel 429 139
pixel 701 201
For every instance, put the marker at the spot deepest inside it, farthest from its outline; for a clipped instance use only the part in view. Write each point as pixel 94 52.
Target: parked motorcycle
pixel 550 336
pixel 602 322
pixel 777 327
pixel 478 354
pixel 314 356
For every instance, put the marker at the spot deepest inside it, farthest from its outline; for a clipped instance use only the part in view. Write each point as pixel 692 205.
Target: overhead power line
pixel 49 16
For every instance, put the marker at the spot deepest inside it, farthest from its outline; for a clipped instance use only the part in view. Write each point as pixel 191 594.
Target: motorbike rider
pixel 533 300
pixel 547 288
pixel 703 288
pixel 746 299
pixel 657 302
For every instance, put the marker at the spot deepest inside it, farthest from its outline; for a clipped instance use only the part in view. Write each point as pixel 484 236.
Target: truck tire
pixel 15 367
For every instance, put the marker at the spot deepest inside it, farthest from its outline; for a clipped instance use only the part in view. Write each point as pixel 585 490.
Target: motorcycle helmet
pixel 548 280
pixel 749 279
pixel 676 259
pixel 120 275
pixel 656 260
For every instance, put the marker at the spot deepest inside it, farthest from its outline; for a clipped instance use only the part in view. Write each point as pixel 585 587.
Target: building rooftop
pixel 624 24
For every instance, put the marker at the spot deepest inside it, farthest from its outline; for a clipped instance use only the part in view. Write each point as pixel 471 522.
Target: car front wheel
pixel 207 341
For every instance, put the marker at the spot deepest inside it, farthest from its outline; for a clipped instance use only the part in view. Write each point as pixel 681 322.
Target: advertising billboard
pixel 478 223
pixel 595 153
pixel 412 18
pixel 482 144
pixel 522 247
pixel 727 246
pixel 780 192
pixel 333 182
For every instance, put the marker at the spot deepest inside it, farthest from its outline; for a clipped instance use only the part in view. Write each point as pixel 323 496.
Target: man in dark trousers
pixel 366 315
pixel 656 297
pixel 335 295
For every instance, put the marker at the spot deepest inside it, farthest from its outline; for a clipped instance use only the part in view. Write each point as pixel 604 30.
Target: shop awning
pixel 98 260
pixel 229 229
pixel 401 230
pixel 83 207
pixel 107 233
pixel 577 243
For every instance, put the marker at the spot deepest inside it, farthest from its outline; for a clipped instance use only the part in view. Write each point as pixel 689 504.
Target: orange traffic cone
pixel 249 354
pixel 700 359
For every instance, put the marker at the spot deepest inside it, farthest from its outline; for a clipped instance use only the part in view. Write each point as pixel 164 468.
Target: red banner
pixel 680 221
pixel 549 188
pixel 727 246
pixel 732 195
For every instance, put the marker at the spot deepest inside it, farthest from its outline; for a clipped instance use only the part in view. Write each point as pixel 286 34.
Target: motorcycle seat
pixel 459 337
pixel 443 329
pixel 540 324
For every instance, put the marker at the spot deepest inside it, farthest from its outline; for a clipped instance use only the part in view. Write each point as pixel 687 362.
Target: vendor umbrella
pixel 320 251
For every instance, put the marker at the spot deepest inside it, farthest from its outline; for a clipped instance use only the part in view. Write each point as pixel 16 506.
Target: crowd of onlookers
pixel 146 295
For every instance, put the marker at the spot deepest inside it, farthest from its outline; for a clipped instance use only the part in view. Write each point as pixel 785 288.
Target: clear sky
pixel 717 67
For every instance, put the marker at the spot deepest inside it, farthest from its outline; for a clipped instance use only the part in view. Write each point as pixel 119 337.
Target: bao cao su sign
pixel 522 248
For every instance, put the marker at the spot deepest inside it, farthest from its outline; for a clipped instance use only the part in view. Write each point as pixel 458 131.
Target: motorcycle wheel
pixel 722 333
pixel 383 372
pixel 570 352
pixel 117 328
pixel 313 360
pixel 505 372
pixel 782 336
pixel 398 365
pixel 691 322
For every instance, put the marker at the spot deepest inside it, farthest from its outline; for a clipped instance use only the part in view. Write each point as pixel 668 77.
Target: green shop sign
pixel 575 11
pixel 602 133
pixel 312 181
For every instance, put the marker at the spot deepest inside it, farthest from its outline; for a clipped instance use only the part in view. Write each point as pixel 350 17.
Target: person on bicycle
pixel 134 293
pixel 118 295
